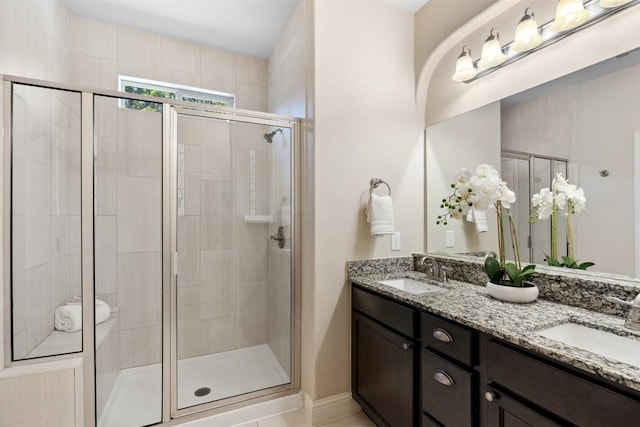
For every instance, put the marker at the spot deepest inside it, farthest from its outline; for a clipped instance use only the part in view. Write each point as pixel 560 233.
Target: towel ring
pixel 375 182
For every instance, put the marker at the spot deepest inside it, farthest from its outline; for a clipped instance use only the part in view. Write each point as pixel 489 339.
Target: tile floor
pixel 296 419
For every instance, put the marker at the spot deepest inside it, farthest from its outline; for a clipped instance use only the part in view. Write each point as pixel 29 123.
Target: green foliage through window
pixel 204 101
pixel 168 91
pixel 135 104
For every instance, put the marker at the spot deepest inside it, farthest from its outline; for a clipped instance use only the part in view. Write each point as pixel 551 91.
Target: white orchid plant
pixel 570 199
pixel 481 191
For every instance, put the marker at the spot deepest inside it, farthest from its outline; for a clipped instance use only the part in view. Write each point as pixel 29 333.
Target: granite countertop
pixel 470 305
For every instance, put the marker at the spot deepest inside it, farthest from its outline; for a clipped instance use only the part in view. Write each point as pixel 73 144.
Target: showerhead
pixel 269 136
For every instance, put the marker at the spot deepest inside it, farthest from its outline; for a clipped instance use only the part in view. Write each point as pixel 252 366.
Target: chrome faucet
pixel 435 272
pixel 633 317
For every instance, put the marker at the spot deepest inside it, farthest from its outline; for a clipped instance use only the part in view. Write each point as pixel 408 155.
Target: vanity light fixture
pixel 571 17
pixel 465 69
pixel 527 34
pixel 569 14
pixel 613 3
pixel 492 54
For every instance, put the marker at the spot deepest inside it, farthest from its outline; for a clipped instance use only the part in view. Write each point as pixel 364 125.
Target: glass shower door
pixel 128 260
pixel 527 174
pixel 233 241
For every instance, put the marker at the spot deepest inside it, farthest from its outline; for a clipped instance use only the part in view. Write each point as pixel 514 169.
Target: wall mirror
pixel 585 125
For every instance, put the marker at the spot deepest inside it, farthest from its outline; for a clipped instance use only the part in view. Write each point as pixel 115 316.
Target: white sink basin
pixel 411 285
pixel 604 343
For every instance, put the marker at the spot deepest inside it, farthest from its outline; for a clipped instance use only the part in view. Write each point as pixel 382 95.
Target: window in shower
pixel 169 91
pixel 45 222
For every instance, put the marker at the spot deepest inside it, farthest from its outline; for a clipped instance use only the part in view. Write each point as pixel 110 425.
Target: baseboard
pixel 329 409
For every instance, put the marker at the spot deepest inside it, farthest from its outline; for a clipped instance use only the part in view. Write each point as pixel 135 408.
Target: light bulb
pixel 491 51
pixel 569 14
pixel 527 35
pixel 465 69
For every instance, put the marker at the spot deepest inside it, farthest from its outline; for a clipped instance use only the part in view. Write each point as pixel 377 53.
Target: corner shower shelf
pixel 258 219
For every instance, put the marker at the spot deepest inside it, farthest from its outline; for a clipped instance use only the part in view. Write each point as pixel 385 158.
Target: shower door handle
pixel 279 237
pixel 174 263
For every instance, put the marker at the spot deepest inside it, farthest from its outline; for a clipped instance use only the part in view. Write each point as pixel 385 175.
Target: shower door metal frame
pixel 85 400
pixel 531 158
pixel 170 258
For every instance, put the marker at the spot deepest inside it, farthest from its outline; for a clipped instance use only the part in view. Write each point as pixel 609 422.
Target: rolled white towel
pixel 380 215
pixel 103 311
pixel 68 317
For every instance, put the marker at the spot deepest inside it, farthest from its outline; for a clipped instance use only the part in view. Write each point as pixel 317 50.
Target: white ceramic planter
pixel 513 293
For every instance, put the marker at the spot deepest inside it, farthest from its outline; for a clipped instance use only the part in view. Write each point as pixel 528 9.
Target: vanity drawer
pixel 446 391
pixel 427 421
pixel 566 395
pixel 448 338
pixel 389 313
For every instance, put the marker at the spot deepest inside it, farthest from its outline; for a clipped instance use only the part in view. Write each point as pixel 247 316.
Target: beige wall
pixel 445 98
pixel 366 125
pixel 476 138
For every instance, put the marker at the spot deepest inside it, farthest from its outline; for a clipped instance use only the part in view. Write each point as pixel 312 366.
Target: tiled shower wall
pixel 46 211
pixel 39 50
pixel 128 229
pixel 99 53
pixel 222 262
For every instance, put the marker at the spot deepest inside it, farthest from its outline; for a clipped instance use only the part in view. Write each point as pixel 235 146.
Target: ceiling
pixel 251 27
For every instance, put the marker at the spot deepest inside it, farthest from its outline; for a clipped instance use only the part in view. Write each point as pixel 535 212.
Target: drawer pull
pixel 406 346
pixel 442 335
pixel 490 396
pixel 443 378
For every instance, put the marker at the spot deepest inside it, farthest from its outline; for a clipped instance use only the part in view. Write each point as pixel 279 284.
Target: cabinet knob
pixel 406 346
pixel 490 396
pixel 442 335
pixel 443 378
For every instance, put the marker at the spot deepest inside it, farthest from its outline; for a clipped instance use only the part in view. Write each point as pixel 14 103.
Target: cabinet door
pixel 382 369
pixel 503 411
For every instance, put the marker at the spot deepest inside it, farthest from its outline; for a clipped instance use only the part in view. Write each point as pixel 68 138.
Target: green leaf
pixel 491 266
pixel 585 265
pixel 568 262
pixel 526 273
pixel 552 261
pixel 511 270
pixel 530 267
pixel 497 277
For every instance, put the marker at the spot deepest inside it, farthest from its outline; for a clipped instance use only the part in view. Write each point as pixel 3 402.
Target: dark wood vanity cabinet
pixel 525 386
pixel 383 350
pixel 504 411
pixel 411 368
pixel 448 380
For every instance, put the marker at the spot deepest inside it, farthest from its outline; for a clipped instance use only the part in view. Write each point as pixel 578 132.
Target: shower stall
pixel 526 174
pixel 181 218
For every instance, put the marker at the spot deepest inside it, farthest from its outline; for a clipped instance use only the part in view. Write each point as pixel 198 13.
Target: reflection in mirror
pixel 584 125
pixel 45 222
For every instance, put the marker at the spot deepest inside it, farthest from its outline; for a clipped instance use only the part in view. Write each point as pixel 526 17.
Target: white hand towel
pixel 68 317
pixel 380 215
pixel 480 218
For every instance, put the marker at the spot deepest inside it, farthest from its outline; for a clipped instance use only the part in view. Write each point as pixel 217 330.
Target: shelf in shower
pixel 258 219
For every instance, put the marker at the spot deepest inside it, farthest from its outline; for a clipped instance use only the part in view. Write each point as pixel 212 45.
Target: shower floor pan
pixel 136 399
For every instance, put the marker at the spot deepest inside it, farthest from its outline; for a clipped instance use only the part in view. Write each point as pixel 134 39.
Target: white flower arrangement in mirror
pixel 570 199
